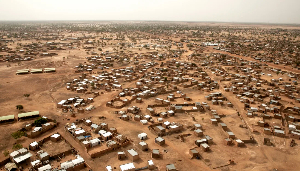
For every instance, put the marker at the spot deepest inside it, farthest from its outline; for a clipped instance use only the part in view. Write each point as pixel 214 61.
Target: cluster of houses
pixel 36 159
pixel 91 135
pixel 260 93
pixel 77 102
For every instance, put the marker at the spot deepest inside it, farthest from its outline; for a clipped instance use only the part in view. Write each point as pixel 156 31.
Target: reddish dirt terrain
pixel 47 89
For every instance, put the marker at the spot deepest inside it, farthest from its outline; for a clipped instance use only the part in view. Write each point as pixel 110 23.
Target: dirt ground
pixel 47 89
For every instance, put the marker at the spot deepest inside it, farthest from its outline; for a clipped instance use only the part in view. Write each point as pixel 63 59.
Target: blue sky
pixel 266 11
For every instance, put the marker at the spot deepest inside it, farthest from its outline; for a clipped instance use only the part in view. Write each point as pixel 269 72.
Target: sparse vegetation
pixel 5 153
pixel 17 146
pixel 18 134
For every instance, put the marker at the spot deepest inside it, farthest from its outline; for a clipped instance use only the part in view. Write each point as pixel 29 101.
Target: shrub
pixel 6 153
pixel 18 134
pixel 17 146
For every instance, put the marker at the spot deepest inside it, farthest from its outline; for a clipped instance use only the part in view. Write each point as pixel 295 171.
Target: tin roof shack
pixel 267 131
pixel 133 155
pixel 279 133
pixel 7 118
pixel 160 129
pixel 127 167
pixel 295 135
pixel 209 139
pixel 142 136
pixel 33 146
pixel 239 143
pixel 170 167
pixel 45 168
pixel 151 165
pixel 20 155
pixel 228 141
pixel 143 146
pixel 68 166
pixel 200 141
pixel 205 147
pixel 73 165
pixel 11 167
pixel 28 115
pixel 194 153
pixel 160 141
pixel 223 126
pixel 44 156
pixel 36 164
pixel 198 132
pixel 121 155
pixel 155 153
pixel 231 135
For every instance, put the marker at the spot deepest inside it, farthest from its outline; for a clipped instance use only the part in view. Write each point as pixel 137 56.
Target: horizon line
pixel 83 20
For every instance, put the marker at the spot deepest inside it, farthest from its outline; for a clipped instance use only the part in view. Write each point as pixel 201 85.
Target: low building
pixel 239 143
pixel 28 115
pixel 151 165
pixel 142 136
pixel 170 167
pixel 55 137
pixel 121 155
pixel 33 146
pixel 44 156
pixel 155 153
pixel 133 155
pixel 127 167
pixel 198 132
pixel 159 140
pixel 143 146
pixel 36 164
pixel 45 168
pixel 7 118
pixel 204 147
pixel 194 153
pixel 11 167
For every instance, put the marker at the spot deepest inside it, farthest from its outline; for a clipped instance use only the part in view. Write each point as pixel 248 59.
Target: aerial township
pixel 140 95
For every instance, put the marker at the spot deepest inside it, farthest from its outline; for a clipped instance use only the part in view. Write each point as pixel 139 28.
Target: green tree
pixel 19 107
pixel 40 121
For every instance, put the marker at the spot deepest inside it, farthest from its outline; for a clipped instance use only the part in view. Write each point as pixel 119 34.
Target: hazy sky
pixel 267 11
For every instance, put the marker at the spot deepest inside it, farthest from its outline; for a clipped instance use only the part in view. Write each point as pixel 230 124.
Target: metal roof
pixel 132 152
pixel 28 114
pixel 7 117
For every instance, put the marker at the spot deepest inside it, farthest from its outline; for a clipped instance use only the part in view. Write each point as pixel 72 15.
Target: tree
pixel 26 95
pixel 19 107
pixel 40 121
